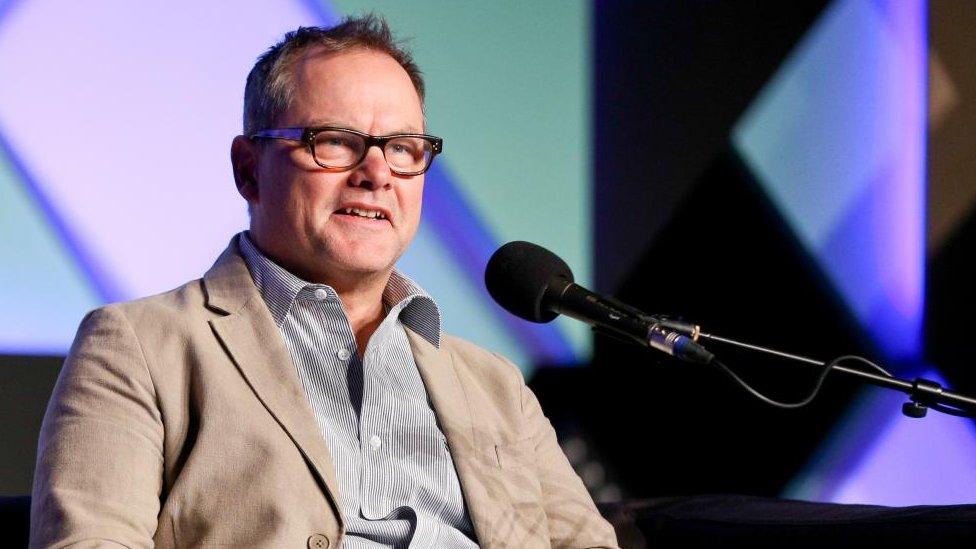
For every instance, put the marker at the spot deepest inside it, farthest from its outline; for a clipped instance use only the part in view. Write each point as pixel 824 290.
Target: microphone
pixel 533 283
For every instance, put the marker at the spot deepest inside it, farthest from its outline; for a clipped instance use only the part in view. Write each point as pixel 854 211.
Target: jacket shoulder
pixel 173 306
pixel 494 375
pixel 476 356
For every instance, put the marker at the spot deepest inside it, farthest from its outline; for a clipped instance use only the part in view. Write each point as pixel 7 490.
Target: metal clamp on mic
pixel 687 328
pixel 677 345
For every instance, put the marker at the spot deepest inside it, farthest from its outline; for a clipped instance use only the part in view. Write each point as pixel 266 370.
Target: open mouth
pixel 362 212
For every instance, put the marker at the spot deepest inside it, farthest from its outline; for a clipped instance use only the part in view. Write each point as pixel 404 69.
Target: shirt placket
pixel 374 434
pixel 337 417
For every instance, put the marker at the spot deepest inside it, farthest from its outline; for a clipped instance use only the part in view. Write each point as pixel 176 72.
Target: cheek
pixel 279 200
pixel 412 204
pixel 310 199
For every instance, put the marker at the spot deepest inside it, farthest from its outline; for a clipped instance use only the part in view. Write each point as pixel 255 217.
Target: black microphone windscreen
pixel 518 275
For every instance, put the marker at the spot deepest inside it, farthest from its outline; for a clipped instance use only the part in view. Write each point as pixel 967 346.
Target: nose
pixel 373 172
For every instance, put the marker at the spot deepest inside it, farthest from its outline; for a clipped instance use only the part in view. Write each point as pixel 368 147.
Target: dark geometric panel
pixel 671 78
pixel 25 387
pixel 951 267
pixel 952 118
pixel 950 305
pixel 728 261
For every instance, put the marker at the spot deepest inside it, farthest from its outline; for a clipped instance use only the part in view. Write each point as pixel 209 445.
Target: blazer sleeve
pixel 573 519
pixel 99 463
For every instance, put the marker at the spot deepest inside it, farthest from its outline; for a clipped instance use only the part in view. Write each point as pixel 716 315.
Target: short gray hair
pixel 270 84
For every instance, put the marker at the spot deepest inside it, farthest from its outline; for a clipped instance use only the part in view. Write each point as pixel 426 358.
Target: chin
pixel 366 263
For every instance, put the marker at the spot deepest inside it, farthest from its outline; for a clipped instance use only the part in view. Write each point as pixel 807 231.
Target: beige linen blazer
pixel 179 420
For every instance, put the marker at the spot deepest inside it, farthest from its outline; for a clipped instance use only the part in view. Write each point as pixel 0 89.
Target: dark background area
pixel 682 228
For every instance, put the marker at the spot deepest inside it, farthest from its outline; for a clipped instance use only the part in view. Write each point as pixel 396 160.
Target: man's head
pixel 271 85
pixel 352 76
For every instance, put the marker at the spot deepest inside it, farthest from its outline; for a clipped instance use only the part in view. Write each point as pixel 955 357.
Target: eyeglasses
pixel 342 149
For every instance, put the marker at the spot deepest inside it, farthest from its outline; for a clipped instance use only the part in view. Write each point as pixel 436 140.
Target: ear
pixel 244 158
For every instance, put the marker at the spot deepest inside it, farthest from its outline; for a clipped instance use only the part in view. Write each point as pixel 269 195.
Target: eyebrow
pixel 317 123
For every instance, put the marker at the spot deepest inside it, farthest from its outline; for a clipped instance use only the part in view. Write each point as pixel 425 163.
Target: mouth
pixel 366 213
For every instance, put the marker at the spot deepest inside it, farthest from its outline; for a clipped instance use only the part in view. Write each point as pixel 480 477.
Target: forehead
pixel 363 89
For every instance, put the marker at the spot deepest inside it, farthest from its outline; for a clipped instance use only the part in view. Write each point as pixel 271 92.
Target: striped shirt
pixel 397 482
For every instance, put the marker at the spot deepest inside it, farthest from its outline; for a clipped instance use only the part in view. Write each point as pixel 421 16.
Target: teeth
pixel 371 214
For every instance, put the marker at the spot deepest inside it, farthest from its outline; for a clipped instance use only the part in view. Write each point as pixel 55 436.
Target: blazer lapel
pixel 441 378
pixel 253 341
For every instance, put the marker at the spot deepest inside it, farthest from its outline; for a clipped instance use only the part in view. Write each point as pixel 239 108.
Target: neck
pixel 363 305
pixel 361 294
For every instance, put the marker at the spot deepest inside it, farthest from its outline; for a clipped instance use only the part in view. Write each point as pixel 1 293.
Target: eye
pixel 335 139
pixel 407 147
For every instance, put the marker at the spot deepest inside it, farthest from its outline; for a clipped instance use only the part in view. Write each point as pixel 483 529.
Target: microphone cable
pixel 827 368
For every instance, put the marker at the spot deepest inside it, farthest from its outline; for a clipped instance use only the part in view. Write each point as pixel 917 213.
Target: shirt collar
pixel 402 297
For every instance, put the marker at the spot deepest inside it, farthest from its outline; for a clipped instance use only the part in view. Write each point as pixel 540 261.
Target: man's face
pixel 298 214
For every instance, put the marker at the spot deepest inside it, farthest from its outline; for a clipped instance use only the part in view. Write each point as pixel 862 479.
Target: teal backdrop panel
pixel 45 294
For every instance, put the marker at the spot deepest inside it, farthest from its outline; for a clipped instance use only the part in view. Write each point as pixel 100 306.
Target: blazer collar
pixel 251 338
pixel 228 284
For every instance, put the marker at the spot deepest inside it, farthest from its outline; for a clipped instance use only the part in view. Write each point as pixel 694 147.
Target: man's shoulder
pixel 470 350
pixel 163 309
pixel 480 361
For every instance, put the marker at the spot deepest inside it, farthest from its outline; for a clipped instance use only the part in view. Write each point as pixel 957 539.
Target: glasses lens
pixel 338 149
pixel 408 154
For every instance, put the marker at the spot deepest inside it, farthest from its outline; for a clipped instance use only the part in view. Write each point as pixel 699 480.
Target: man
pixel 301 392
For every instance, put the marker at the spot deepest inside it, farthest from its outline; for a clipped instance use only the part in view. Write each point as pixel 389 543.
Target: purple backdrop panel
pixel 121 115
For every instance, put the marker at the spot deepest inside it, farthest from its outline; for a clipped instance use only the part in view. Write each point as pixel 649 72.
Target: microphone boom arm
pixel 923 393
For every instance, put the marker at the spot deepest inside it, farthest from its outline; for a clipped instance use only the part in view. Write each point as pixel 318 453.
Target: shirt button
pixel 375 442
pixel 343 354
pixel 321 294
pixel 318 541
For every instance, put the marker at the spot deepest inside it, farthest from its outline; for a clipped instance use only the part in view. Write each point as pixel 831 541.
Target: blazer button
pixel 318 541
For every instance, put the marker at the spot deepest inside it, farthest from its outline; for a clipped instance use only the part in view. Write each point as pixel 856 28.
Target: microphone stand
pixel 923 393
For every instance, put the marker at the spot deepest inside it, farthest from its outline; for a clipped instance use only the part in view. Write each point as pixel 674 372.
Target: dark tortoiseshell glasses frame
pixel 307 136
